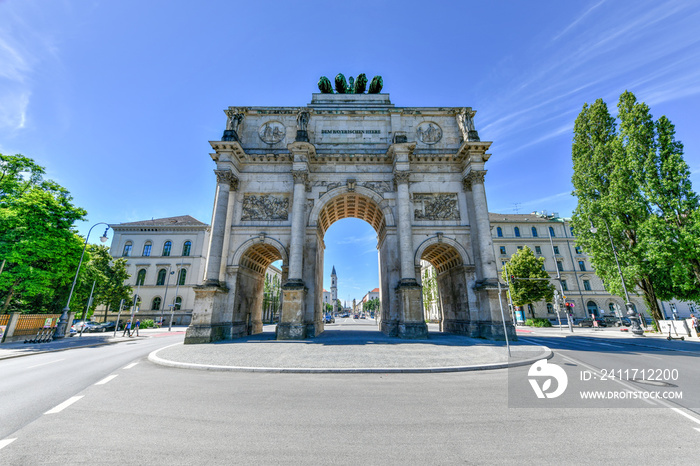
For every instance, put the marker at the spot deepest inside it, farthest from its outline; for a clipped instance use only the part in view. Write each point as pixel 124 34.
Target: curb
pixel 56 350
pixel 154 358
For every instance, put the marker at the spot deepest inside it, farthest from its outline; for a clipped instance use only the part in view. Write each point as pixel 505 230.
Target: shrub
pixel 148 324
pixel 538 323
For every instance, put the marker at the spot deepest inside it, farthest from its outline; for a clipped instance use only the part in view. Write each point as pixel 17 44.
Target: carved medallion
pixel 436 206
pixel 265 207
pixel 272 132
pixel 429 132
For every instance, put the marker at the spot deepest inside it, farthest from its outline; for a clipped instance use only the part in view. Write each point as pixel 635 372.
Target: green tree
pixel 371 305
pixel 37 240
pixel 633 181
pixel 108 274
pixel 527 279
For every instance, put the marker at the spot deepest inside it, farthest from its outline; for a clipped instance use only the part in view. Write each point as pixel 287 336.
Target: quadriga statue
pixel 360 84
pixel 325 86
pixel 341 86
pixel 375 87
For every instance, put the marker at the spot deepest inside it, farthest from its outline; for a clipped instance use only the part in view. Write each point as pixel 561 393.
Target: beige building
pixel 165 260
pixel 581 285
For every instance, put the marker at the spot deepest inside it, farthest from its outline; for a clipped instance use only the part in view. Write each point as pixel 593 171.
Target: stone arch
pixel 455 281
pixel 263 247
pixel 368 212
pixel 246 278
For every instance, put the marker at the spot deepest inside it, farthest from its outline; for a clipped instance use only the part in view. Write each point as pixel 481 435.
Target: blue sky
pixel 118 100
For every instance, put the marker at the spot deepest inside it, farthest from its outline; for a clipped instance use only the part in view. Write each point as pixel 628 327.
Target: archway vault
pixel 258 253
pixel 360 202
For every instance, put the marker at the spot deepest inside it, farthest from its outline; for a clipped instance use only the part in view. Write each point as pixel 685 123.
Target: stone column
pixel 291 325
pixel 224 179
pixel 408 271
pixel 231 202
pixel 474 181
pixel 411 321
pixel 296 248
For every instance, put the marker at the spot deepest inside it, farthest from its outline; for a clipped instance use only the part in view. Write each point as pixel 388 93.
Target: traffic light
pixel 512 278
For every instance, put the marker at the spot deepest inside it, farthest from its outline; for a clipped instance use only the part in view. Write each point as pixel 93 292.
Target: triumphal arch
pixel 286 174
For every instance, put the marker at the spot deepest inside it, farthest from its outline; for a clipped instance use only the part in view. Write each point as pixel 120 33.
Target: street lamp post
pixel 636 329
pixel 63 321
pixel 165 295
pixel 569 317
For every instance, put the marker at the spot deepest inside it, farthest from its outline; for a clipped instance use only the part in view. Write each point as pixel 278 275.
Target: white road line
pixel 45 363
pixel 64 405
pixel 130 365
pixel 6 442
pixel 694 419
pixel 106 379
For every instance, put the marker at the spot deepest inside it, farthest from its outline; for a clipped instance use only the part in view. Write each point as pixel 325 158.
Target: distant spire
pixel 333 272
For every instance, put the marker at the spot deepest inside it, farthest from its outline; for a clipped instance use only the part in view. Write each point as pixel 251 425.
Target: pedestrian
pixel 127 328
pixel 695 323
pixel 137 325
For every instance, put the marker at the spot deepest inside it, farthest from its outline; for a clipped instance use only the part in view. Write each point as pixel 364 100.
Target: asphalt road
pixel 150 414
pixel 32 385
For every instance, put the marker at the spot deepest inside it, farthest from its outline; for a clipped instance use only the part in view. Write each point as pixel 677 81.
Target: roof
pixel 333 272
pixel 533 217
pixel 376 290
pixel 183 220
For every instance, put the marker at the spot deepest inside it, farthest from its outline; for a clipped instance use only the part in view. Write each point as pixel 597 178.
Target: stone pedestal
pixel 207 325
pixel 412 324
pixel 292 326
pixel 490 324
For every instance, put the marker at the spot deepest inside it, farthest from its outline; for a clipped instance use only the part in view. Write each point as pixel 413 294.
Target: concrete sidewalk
pixel 18 349
pixel 352 349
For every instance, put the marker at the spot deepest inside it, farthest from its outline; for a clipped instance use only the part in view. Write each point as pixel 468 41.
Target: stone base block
pixel 494 331
pixel 413 330
pixel 390 328
pixel 459 327
pixel 197 334
pixel 314 329
pixel 291 331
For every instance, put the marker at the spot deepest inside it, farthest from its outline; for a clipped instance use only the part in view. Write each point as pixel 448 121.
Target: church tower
pixel 334 291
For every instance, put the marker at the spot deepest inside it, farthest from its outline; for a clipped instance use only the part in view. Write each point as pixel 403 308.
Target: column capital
pixel 300 176
pixel 227 177
pixel 401 177
pixel 473 177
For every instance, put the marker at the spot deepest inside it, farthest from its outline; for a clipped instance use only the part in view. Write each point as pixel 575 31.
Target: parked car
pixel 589 322
pixel 329 319
pixel 105 327
pixel 612 321
pixel 79 324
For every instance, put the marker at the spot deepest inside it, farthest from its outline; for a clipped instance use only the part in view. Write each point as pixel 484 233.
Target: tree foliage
pixel 371 305
pixel 37 240
pixel 109 276
pixel 527 279
pixel 630 178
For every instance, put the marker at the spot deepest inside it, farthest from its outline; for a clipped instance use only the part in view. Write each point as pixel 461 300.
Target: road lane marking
pixel 692 418
pixel 608 344
pixel 6 442
pixel 45 363
pixel 106 379
pixel 64 405
pixel 130 365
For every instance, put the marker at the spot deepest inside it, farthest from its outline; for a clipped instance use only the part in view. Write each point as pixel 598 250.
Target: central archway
pixel 364 204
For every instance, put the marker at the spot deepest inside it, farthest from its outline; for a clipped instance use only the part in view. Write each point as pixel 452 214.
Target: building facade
pixel 165 260
pixel 551 237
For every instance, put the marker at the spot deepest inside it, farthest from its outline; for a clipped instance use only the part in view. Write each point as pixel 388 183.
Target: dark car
pixel 612 321
pixel 589 322
pixel 329 319
pixel 105 327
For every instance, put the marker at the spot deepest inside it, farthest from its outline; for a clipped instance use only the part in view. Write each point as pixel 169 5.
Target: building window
pixel 611 308
pixel 578 250
pixel 587 285
pixel 499 232
pixel 560 266
pixel 178 303
pixel 182 277
pixel 186 248
pixel 582 266
pixel 556 250
pixel 127 249
pixel 161 277
pixel 517 232
pixel 538 250
pixel 571 229
pixel 141 277
pixel 520 248
pixel 564 286
pixel 551 232
pixel 147 249
pixel 166 248
pixel 550 308
pixel 592 308
pixel 534 232
pixel 156 304
pixel 503 249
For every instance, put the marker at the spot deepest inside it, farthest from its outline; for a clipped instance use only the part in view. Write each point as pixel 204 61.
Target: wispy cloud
pixel 577 20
